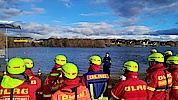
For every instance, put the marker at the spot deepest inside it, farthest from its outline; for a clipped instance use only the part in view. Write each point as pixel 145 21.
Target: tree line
pixel 52 42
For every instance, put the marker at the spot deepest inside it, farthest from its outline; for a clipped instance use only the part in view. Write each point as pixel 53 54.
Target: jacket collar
pixel 131 75
pixel 156 67
pixel 94 68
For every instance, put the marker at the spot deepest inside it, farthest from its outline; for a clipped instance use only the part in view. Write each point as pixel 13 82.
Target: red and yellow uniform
pixel 47 92
pixel 66 91
pixel 157 82
pixel 174 89
pixel 172 63
pixel 21 90
pixel 131 89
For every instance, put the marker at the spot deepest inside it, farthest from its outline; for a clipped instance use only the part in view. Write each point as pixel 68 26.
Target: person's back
pixel 70 93
pixel 55 77
pixel 159 80
pixel 16 85
pixel 97 81
pixel 71 88
pixel 131 87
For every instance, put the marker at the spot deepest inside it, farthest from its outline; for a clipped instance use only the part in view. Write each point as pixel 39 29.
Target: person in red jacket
pixel 29 65
pixel 98 82
pixel 129 86
pixel 159 80
pixel 54 80
pixel 153 51
pixel 172 63
pixel 71 89
pixel 17 85
pixel 167 55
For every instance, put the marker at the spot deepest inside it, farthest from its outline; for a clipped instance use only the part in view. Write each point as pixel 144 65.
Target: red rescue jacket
pixel 22 90
pixel 29 72
pixel 130 89
pixel 47 93
pixel 174 89
pixel 66 92
pixel 157 83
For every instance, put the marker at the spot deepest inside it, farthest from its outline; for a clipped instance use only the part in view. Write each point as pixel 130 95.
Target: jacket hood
pixel 173 68
pixel 71 83
pixel 156 67
pixel 54 69
pixel 9 82
pixel 94 68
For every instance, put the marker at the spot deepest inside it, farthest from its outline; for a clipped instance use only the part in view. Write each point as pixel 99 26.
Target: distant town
pixel 78 42
pixel 14 42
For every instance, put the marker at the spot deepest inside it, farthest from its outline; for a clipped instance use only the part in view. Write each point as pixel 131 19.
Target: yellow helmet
pixel 16 66
pixel 158 57
pixel 130 66
pixel 70 70
pixel 168 53
pixel 28 63
pixel 153 51
pixel 177 55
pixel 95 60
pixel 60 59
pixel 172 60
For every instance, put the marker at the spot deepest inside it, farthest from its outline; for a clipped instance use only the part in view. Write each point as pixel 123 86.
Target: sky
pixel 156 20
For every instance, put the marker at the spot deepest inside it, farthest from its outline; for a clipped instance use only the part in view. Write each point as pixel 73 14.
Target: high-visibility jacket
pixel 68 91
pixel 98 84
pixel 47 93
pixel 158 84
pixel 174 88
pixel 19 89
pixel 130 89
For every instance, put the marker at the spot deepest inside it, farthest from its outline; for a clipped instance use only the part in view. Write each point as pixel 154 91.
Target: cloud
pixel 95 14
pixel 9 9
pixel 135 8
pixel 94 31
pixel 173 31
pixel 67 3
pixel 90 28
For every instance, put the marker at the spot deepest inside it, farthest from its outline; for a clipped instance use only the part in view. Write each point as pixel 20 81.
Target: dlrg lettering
pixel 16 91
pixel 97 76
pixel 135 88
pixel 65 97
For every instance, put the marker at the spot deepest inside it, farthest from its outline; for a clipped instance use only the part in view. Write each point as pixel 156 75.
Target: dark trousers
pixel 106 69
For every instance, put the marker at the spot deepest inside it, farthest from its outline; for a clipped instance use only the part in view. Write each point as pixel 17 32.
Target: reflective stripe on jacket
pixel 174 89
pixel 49 81
pixel 97 83
pixel 157 83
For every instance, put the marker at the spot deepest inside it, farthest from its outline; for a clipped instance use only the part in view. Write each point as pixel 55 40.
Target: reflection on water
pixel 43 56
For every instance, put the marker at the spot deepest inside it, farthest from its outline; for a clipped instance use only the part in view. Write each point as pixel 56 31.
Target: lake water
pixel 43 56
